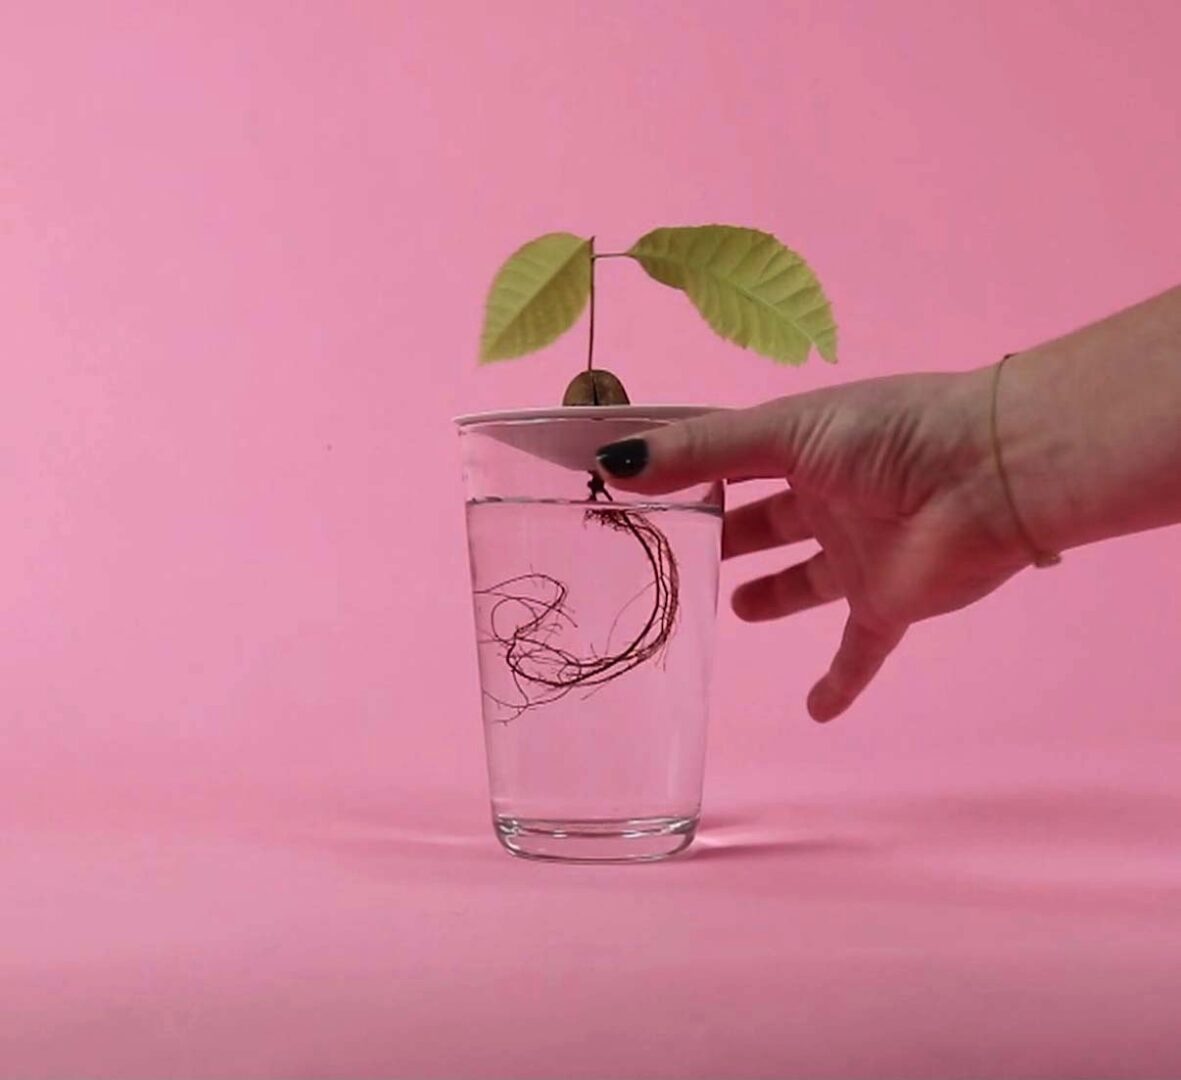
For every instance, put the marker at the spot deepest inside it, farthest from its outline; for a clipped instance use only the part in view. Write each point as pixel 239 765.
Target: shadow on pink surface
pixel 1031 932
pixel 708 846
pixel 1030 842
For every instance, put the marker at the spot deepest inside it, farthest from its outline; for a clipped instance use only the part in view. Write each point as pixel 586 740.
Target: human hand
pixel 893 477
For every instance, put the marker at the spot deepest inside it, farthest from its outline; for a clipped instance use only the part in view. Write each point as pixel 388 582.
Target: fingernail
pixel 624 459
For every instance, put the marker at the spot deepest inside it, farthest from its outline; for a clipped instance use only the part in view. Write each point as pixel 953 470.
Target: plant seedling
pixel 751 290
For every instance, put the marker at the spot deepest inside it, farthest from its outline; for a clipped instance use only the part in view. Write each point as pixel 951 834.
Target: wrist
pixel 1042 556
pixel 1087 428
pixel 1036 457
pixel 990 527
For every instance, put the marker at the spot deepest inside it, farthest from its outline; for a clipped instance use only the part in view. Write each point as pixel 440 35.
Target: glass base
pixel 610 841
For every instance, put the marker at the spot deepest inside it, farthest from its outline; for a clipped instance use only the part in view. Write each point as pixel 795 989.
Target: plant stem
pixel 590 341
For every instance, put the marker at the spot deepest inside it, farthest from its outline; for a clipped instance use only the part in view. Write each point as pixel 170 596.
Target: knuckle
pixel 698 444
pixel 784 590
pixel 821 579
pixel 784 516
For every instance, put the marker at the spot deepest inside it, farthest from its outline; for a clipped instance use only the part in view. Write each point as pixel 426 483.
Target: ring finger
pixel 805 585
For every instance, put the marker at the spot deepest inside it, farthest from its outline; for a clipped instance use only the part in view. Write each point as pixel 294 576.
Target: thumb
pixel 727 444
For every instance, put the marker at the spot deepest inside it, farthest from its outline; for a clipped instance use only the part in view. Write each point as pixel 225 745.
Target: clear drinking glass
pixel 594 618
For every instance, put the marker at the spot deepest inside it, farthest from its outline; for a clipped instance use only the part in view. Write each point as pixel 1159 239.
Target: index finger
pixel 748 443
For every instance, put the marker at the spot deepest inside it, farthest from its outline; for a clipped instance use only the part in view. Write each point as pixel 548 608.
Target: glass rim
pixel 584 412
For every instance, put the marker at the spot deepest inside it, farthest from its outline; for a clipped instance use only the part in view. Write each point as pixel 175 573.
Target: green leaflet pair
pixel 749 287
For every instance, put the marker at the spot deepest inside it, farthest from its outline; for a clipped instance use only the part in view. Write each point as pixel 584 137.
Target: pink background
pixel 243 833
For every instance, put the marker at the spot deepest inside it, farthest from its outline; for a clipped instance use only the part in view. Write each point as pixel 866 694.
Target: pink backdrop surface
pixel 243 827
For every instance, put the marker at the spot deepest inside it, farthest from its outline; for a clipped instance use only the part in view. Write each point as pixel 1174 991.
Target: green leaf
pixel 751 289
pixel 536 296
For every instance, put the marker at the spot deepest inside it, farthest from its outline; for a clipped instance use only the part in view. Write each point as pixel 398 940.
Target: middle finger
pixel 765 523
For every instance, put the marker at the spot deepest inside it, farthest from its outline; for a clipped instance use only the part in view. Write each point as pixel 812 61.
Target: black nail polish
pixel 624 459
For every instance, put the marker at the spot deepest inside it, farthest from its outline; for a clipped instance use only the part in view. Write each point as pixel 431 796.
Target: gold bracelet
pixel 1041 557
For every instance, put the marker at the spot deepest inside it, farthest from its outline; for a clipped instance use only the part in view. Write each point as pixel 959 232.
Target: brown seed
pixel 596 387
